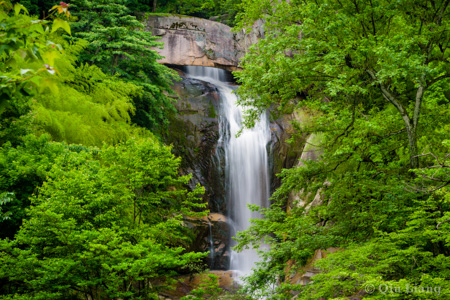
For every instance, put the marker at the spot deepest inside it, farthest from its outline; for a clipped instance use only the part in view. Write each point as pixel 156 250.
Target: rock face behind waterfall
pixel 194 133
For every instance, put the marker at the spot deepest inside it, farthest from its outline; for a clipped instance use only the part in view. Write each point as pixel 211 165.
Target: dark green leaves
pixel 120 45
pixel 366 81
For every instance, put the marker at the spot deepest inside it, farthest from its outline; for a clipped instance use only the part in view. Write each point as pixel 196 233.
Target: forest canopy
pixel 371 80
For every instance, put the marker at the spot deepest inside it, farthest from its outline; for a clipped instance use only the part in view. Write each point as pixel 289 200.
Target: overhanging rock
pixel 190 41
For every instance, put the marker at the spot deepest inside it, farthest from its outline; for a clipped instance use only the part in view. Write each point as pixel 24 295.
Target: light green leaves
pixel 18 8
pixel 23 46
pixel 109 220
pixel 59 23
pixel 119 46
pixel 5 198
pixel 358 68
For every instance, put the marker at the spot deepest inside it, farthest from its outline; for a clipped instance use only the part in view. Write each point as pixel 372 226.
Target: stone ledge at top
pixel 190 41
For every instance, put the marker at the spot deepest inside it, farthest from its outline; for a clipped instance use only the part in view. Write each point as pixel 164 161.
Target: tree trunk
pixel 412 138
pixel 154 5
pixel 410 125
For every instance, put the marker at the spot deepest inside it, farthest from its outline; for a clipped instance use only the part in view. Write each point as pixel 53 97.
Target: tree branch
pixel 440 223
pixel 417 106
pixel 431 82
pixel 388 95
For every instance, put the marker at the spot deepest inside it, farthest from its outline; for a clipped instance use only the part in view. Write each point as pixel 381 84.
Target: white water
pixel 211 245
pixel 247 163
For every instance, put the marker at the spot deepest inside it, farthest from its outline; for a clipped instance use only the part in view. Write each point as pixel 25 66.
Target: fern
pixel 87 106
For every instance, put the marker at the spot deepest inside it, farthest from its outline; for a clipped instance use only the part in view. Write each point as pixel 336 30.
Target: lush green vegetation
pixel 92 205
pixel 119 45
pixel 373 77
pixel 225 10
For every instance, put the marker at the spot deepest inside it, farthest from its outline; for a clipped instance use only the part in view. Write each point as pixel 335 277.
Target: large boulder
pixel 186 283
pixel 190 41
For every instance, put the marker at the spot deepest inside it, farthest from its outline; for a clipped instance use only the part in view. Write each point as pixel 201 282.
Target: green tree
pixel 120 45
pixel 226 10
pixel 27 53
pixel 349 50
pixel 106 224
pixel 22 170
pixel 86 106
pixel 373 77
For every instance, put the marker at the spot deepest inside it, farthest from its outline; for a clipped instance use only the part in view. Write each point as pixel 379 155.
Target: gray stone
pixel 194 132
pixel 190 41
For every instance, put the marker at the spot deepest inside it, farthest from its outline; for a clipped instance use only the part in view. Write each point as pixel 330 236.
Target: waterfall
pixel 246 160
pixel 211 244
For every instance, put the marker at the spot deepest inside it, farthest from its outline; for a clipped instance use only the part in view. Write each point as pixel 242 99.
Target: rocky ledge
pixel 190 41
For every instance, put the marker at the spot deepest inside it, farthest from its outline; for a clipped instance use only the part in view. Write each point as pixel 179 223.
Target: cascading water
pixel 211 244
pixel 247 163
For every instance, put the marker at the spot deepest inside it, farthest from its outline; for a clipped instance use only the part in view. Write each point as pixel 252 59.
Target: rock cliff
pixel 190 41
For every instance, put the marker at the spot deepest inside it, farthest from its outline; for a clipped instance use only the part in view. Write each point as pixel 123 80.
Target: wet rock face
pixel 284 155
pixel 194 132
pixel 212 235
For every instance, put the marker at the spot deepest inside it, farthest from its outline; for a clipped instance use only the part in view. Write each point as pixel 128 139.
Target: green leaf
pixel 58 23
pixel 18 7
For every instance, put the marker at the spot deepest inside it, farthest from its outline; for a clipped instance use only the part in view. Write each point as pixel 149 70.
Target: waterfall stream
pixel 246 160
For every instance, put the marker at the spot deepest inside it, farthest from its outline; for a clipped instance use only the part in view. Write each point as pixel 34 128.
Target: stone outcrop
pixel 285 155
pixel 311 151
pixel 186 283
pixel 303 275
pixel 212 235
pixel 194 133
pixel 190 41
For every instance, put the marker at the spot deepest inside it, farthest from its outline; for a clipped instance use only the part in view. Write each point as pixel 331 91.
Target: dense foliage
pixel 372 79
pixel 26 59
pixel 80 221
pixel 92 205
pixel 224 10
pixel 105 222
pixel 120 46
